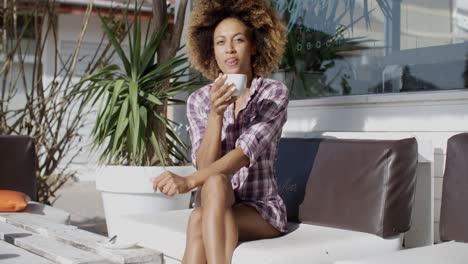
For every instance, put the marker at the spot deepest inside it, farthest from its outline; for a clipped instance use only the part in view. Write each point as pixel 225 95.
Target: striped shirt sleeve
pixel 197 121
pixel 267 126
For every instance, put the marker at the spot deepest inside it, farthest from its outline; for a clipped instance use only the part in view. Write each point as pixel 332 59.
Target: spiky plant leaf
pixel 130 98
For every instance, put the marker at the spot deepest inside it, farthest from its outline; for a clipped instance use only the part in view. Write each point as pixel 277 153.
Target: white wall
pixel 428 116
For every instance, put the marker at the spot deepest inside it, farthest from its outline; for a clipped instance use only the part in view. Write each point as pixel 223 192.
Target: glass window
pixel 344 47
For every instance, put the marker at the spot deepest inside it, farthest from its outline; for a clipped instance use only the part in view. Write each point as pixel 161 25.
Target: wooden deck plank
pixel 10 254
pixel 48 248
pixel 31 223
pixel 38 210
pixel 89 241
pixel 81 239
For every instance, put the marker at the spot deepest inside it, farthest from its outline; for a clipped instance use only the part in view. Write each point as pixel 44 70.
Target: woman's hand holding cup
pixel 221 95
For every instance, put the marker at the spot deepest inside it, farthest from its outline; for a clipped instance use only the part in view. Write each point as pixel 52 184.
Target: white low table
pixel 27 237
pixel 166 232
pixel 444 253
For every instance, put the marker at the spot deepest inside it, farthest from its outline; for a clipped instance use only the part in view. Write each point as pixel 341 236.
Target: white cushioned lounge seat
pixel 303 244
pixel 334 188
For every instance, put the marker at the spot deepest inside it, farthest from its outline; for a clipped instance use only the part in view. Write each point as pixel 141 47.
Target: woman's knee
pixel 217 180
pixel 214 184
pixel 217 188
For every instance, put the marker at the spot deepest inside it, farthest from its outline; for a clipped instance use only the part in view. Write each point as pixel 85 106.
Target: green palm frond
pixel 130 96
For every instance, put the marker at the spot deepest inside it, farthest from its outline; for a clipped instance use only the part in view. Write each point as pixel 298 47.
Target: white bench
pixel 166 232
pixel 305 243
pixel 446 253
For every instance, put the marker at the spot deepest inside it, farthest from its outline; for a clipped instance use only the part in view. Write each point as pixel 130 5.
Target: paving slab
pixel 84 203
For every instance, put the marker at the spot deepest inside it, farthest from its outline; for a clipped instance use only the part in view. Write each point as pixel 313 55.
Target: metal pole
pixel 392 28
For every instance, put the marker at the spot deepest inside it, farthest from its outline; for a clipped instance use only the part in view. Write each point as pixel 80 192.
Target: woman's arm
pixel 220 98
pixel 171 184
pixel 228 164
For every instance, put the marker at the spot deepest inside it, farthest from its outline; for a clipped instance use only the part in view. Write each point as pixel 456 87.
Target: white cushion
pixel 446 253
pixel 303 244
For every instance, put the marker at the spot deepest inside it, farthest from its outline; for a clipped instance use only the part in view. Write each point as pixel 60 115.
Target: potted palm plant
pixel 136 138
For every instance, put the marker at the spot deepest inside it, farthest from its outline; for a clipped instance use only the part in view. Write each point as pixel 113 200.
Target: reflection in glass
pixel 465 74
pixel 343 47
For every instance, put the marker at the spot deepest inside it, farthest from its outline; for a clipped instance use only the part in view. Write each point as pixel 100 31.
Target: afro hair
pixel 268 32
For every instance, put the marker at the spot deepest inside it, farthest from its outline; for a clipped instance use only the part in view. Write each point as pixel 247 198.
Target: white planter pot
pixel 127 190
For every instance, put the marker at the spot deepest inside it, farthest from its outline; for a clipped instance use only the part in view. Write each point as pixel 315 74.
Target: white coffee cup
pixel 239 81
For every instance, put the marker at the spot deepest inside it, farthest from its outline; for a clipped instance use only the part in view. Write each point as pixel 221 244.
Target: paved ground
pixel 84 204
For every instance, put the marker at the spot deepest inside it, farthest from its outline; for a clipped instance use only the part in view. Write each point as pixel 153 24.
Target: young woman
pixel 234 139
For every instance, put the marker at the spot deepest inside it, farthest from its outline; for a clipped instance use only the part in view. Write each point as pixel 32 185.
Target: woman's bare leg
pixel 232 234
pixel 218 225
pixel 223 225
pixel 194 249
pixel 251 225
pixel 245 223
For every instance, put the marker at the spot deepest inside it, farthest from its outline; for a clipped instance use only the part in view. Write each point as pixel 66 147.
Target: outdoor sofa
pixel 453 216
pixel 345 199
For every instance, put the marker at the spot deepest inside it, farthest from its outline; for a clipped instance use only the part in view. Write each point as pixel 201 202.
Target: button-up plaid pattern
pixel 256 130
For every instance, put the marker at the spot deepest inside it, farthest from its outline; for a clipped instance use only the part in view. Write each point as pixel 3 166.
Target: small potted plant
pixel 135 136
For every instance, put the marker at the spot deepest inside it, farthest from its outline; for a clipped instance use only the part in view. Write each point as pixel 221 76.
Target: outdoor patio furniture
pixel 40 234
pixel 18 173
pixel 345 199
pixel 18 165
pixel 26 238
pixel 453 216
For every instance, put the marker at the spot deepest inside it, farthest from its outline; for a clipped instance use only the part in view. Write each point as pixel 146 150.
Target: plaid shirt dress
pixel 256 131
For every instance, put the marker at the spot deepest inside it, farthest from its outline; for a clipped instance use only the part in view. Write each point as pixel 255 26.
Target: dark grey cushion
pixel 294 162
pixel 362 185
pixel 454 211
pixel 355 184
pixel 18 164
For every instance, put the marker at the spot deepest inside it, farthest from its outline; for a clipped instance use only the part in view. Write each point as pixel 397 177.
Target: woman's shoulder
pixel 268 87
pixel 201 95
